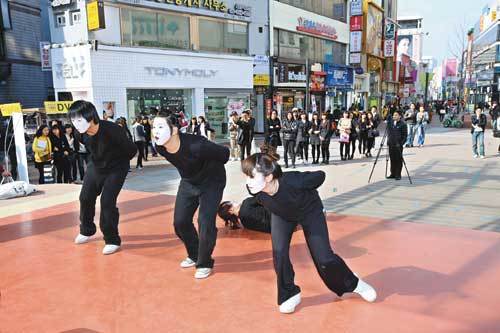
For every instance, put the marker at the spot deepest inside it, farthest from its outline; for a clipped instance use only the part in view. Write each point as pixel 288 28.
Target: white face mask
pixel 257 183
pixel 81 124
pixel 161 131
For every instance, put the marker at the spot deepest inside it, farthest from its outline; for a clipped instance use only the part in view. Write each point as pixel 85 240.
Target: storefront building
pixel 305 37
pixel 190 56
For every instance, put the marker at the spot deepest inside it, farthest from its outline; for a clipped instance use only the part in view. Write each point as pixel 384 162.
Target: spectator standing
pixel 42 148
pixel 478 127
pixel 410 118
pixel 147 136
pixel 204 128
pixel 244 135
pixel 233 136
pixel 303 127
pixel 289 130
pixel 422 121
pixel 315 141
pixel 193 126
pixel 273 130
pixel 139 137
pixel 60 152
pixel 325 135
pixel 364 126
pixel 345 128
pixel 73 151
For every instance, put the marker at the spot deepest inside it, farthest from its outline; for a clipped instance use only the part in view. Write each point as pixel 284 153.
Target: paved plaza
pixel 434 274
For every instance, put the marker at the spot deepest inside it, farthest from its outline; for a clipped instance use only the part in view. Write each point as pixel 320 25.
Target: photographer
pixel 396 137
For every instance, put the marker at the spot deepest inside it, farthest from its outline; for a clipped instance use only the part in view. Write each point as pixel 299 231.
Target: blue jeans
pixel 411 135
pixel 421 134
pixel 478 139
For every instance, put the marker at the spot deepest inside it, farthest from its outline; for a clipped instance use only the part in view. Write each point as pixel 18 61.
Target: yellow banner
pixel 8 109
pixel 57 107
pixel 95 16
pixel 261 80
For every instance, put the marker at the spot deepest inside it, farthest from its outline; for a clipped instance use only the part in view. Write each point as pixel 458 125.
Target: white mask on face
pixel 257 183
pixel 81 124
pixel 161 131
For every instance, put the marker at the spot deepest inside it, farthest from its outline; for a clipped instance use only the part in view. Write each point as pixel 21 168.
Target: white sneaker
pixel 476 156
pixel 186 263
pixel 482 156
pixel 365 291
pixel 110 249
pixel 81 239
pixel 290 304
pixel 202 273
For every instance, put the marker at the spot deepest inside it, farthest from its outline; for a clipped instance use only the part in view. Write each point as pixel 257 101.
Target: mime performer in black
pixel 203 179
pixel 292 198
pixel 110 154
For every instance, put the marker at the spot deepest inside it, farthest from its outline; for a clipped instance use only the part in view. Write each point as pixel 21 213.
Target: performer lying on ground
pixel 292 198
pixel 250 213
pixel 110 154
pixel 203 179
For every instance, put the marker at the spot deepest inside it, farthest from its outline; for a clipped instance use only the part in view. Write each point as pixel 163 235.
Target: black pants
pixel 303 149
pixel 344 149
pixel 81 161
pixel 189 197
pixel 289 148
pixel 396 155
pixel 353 145
pixel 140 153
pixel 13 163
pixel 146 149
pixel 63 168
pixel 315 152
pixel 325 150
pixel 371 144
pixel 363 143
pixel 441 117
pixel 245 146
pixel 331 268
pixel 108 185
pixel 39 166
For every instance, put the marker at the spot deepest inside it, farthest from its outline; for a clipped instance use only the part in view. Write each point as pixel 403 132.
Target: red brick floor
pixel 429 279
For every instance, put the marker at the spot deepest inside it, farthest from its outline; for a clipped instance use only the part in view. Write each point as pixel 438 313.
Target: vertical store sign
pixel 389 39
pixel 356 7
pixel 45 56
pixel 95 15
pixel 356 41
pixel 356 31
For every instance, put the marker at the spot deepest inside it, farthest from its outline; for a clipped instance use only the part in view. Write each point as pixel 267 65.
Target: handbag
pixel 373 133
pixel 344 137
pixel 48 173
pixel 496 133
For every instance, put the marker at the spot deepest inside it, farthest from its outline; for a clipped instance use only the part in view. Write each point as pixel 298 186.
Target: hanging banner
pixel 95 15
pixel 356 23
pixel 355 58
pixel 356 41
pixel 45 56
pixel 339 76
pixel 356 7
pixel 389 46
pixel 57 107
pixel 9 109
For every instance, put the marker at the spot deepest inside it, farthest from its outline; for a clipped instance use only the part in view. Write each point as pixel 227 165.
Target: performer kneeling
pixel 293 199
pixel 203 179
pixel 110 154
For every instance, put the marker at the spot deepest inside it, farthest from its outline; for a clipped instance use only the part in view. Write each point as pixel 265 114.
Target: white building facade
pixel 191 56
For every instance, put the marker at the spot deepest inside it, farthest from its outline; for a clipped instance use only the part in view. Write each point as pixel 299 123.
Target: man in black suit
pixel 397 133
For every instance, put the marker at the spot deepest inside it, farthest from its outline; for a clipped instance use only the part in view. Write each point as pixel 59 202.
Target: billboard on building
pixel 374 31
pixel 405 46
pixel 450 68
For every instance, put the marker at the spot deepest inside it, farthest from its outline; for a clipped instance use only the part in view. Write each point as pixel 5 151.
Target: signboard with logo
pixel 356 23
pixel 59 3
pixel 356 41
pixel 261 80
pixel 356 7
pixel 317 81
pixel 389 46
pixel 9 109
pixel 374 31
pixel 45 56
pixel 95 15
pixel 316 28
pixel 339 76
pixel 390 30
pixel 355 58
pixel 57 107
pixel 291 73
pixel 261 75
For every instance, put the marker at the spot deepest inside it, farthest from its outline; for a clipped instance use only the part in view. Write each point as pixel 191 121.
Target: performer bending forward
pixel 292 198
pixel 203 178
pixel 110 155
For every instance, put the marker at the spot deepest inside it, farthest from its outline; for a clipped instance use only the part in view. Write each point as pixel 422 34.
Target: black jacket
pixel 61 143
pixel 481 122
pixel 244 132
pixel 303 130
pixel 289 129
pixel 411 116
pixel 254 216
pixel 396 134
pixel 325 130
pixel 495 113
pixel 273 127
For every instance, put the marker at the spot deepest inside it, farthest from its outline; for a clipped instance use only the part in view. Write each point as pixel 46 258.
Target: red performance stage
pixel 428 278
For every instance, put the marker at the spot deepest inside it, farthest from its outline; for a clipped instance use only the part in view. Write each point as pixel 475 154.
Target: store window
pixel 145 28
pixel 296 46
pixel 143 101
pixel 219 105
pixel 60 19
pixel 335 9
pixel 76 17
pixel 223 36
pixel 5 21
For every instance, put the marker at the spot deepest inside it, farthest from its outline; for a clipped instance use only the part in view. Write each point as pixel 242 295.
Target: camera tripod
pixel 382 143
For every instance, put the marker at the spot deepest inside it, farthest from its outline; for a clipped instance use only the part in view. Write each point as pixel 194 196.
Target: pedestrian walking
pixel 110 154
pixel 478 121
pixel 289 129
pixel 200 163
pixel 397 133
pixel 345 128
pixel 422 120
pixel 315 141
pixel 233 136
pixel 139 137
pixel 410 118
pixel 42 149
pixel 293 199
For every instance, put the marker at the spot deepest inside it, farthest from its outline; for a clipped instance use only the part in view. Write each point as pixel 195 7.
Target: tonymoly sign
pixel 181 72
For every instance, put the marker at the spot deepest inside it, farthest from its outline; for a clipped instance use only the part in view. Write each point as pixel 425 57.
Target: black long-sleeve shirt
pixel 198 159
pixel 254 216
pixel 297 196
pixel 396 133
pixel 110 147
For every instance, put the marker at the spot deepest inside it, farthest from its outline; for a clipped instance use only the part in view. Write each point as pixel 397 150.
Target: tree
pixel 457 46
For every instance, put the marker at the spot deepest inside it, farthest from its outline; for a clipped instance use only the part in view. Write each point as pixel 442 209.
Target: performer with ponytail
pixel 293 199
pixel 110 154
pixel 203 179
